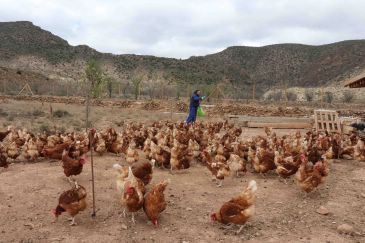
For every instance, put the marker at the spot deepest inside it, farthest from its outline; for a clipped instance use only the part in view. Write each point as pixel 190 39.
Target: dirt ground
pixel 29 191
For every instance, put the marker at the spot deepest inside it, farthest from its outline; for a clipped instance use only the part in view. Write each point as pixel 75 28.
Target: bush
pixel 275 96
pixel 61 113
pixel 348 96
pixel 11 118
pixel 38 113
pixel 309 95
pixel 328 97
pixel 3 113
pixel 45 128
pixel 291 96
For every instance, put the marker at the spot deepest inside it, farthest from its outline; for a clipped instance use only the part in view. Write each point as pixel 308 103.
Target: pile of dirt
pixel 182 106
pixel 151 105
pixel 256 110
pixel 72 100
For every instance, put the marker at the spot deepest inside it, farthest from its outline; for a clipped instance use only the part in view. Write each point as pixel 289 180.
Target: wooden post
pixel 119 89
pixel 91 138
pixel 91 149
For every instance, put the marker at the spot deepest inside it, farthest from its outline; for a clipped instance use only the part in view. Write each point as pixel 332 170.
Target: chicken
pixel 263 161
pixel 100 146
pixel 141 170
pixel 180 158
pixel 55 152
pixel 147 148
pixel 132 154
pixel 194 148
pixel 218 170
pixel 133 195
pixel 72 201
pixel 286 166
pixel 236 164
pixel 239 209
pixel 161 155
pixel 309 177
pixel 13 151
pixel 72 167
pixel 359 150
pixel 116 147
pixel 30 151
pixel 154 202
pixel 3 135
pixel 3 161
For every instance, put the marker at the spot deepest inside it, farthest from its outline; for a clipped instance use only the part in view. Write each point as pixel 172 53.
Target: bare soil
pixel 29 191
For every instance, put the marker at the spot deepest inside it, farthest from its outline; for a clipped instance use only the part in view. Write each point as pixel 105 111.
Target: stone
pixel 123 226
pixel 322 210
pixel 30 225
pixel 189 209
pixel 345 229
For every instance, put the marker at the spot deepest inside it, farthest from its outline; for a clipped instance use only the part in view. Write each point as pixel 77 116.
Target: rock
pixel 30 225
pixel 189 209
pixel 345 229
pixel 125 227
pixel 322 210
pixel 362 195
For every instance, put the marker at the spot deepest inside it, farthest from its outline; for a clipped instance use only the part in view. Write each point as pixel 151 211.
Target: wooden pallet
pixel 327 120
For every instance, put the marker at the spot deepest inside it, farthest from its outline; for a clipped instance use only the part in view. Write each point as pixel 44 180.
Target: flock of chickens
pixel 220 146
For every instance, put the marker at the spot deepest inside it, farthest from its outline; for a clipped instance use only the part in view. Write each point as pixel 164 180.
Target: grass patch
pixel 45 128
pixel 61 113
pixel 3 113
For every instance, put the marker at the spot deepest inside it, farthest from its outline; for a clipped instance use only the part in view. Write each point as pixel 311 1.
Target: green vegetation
pixel 61 113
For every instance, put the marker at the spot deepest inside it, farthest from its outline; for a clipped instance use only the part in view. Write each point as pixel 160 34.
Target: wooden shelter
pixel 356 82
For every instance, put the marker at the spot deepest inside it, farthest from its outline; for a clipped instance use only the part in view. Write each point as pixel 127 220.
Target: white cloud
pixel 182 28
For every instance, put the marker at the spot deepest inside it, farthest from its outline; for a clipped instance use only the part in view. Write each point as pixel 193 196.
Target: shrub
pixel 348 96
pixel 309 95
pixel 61 113
pixel 328 97
pixel 291 96
pixel 277 96
pixel 44 128
pixel 3 113
pixel 11 118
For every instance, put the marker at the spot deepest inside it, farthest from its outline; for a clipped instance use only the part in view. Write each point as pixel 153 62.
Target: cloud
pixel 180 29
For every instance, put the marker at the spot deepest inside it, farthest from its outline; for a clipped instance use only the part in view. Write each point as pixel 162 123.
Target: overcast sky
pixel 184 28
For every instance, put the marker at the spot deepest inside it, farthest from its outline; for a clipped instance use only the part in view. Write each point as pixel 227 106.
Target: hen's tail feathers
pixel 153 163
pixel 250 211
pixel 117 166
pixel 166 182
pixel 252 186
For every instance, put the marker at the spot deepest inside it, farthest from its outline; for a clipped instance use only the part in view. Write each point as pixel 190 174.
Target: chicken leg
pixel 220 183
pixel 133 220
pixel 240 229
pixel 73 223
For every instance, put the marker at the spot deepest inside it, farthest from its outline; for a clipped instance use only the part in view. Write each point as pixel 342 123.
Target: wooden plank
pixel 282 125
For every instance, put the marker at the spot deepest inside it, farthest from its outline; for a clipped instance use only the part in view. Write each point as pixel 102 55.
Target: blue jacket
pixel 195 100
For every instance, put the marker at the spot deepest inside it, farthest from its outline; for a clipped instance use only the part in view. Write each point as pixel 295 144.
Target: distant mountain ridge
pixel 25 46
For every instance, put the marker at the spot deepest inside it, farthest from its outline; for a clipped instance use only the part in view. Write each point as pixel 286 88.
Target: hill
pixel 26 47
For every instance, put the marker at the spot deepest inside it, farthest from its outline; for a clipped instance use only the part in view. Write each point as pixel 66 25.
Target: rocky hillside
pixel 26 47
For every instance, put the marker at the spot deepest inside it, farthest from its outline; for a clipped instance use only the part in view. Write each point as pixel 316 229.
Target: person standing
pixel 193 108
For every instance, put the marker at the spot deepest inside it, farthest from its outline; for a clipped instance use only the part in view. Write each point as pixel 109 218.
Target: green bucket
pixel 200 112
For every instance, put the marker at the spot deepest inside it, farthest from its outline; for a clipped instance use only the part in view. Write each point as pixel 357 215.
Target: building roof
pixel 356 82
